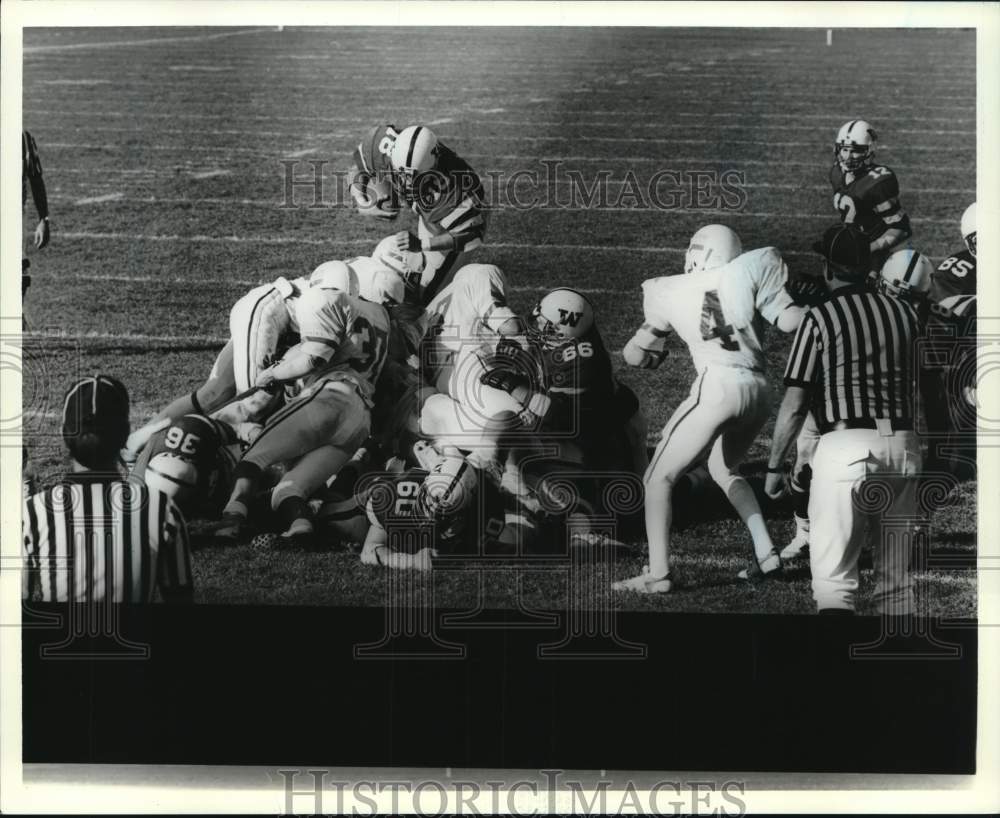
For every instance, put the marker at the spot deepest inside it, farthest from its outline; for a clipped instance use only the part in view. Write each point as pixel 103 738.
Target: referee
pixel 851 363
pixel 94 537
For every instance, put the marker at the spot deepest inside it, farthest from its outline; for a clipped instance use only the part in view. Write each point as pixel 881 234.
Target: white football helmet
pixel 906 274
pixel 334 275
pixel 855 145
pixel 415 151
pixel 562 314
pixel 450 487
pixel 969 228
pixel 377 283
pixel 711 247
pixel 175 476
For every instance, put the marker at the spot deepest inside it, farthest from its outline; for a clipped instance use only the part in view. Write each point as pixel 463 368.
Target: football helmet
pixel 450 488
pixel 906 274
pixel 335 275
pixel 414 151
pixel 969 228
pixel 377 283
pixel 174 475
pixel 711 247
pixel 562 314
pixel 855 145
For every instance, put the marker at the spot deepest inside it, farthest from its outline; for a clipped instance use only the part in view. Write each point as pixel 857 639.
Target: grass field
pixel 164 151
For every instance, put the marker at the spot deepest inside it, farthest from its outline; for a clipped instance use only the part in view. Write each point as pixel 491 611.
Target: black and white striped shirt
pixel 94 537
pixel 857 349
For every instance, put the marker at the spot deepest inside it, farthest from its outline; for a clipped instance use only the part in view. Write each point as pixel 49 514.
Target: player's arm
pixel 772 298
pixel 33 170
pixel 885 203
pixel 647 349
pixel 376 550
pixel 801 374
pixel 174 559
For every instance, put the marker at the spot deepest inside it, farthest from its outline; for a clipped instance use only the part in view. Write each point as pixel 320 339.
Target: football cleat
pixel 414 151
pixel 334 275
pixel 759 570
pixel 906 274
pixel 711 247
pixel 300 535
pixel 855 145
pixel 231 530
pixel 799 546
pixel 562 314
pixel 645 584
pixel 969 228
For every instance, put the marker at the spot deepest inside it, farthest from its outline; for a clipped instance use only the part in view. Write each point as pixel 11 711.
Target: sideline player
pixel 716 309
pixel 866 194
pixel 863 390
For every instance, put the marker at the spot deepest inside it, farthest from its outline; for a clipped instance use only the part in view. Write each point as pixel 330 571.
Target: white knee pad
pixel 722 476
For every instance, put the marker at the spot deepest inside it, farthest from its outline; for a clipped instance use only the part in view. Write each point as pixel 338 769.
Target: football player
pixel 435 183
pixel 866 194
pixel 717 308
pixel 587 412
pixel 444 507
pixel 947 384
pixel 262 324
pixel 192 461
pixel 956 275
pixel 332 374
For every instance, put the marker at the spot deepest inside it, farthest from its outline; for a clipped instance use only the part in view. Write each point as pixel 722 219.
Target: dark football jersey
pixel 956 275
pixel 372 154
pixel 450 198
pixel 395 505
pixel 868 199
pixel 203 442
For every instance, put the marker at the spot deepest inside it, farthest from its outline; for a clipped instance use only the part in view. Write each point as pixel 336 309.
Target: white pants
pixel 864 484
pixel 256 323
pixel 720 418
pixel 805 445
pixel 324 426
pixel 448 422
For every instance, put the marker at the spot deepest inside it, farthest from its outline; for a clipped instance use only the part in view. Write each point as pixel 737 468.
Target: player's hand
pixel 369 554
pixel 42 234
pixel 509 347
pixel 807 292
pixel 266 380
pixel 776 485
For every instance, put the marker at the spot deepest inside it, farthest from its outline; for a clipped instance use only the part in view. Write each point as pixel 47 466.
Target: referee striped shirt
pixel 97 538
pixel 857 348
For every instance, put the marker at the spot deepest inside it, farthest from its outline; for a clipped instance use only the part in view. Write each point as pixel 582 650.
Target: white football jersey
pixel 719 313
pixel 470 310
pixel 356 330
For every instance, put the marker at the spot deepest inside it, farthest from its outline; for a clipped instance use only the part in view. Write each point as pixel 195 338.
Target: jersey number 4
pixel 713 323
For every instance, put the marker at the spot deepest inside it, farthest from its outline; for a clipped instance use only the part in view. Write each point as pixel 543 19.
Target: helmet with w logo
pixel 561 314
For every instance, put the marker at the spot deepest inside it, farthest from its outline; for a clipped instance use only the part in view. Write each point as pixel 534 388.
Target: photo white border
pixel 62 790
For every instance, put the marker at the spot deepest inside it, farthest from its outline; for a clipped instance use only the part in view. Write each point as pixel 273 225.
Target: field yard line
pixel 141 338
pixel 616 248
pixel 653 140
pixel 39 49
pixel 115 198
pixel 104 172
pixel 244 282
pixel 507 157
pixel 125 337
pixel 362 121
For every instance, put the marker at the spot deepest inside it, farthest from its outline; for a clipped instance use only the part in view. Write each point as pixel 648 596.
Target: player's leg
pixel 902 462
pixel 837 525
pixel 805 447
pixel 212 394
pixel 749 395
pixel 686 438
pixel 311 421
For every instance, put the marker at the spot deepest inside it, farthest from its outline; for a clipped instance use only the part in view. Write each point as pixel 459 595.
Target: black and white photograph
pixel 414 396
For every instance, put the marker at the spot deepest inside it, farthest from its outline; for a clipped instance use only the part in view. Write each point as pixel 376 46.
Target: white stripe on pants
pixel 864 485
pixel 256 322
